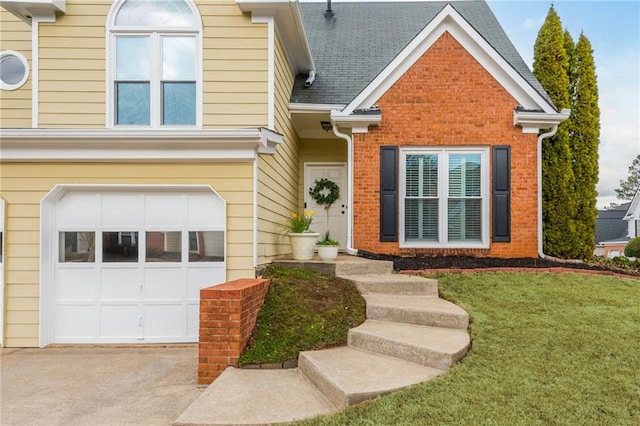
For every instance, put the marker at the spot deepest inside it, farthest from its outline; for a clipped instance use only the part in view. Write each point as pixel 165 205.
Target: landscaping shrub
pixel 632 249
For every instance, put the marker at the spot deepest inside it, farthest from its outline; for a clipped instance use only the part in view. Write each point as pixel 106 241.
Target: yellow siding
pixel 25 184
pixel 235 65
pixel 15 105
pixel 73 67
pixel 320 151
pixel 278 174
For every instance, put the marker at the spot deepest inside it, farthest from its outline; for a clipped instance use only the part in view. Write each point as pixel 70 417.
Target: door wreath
pixel 325 192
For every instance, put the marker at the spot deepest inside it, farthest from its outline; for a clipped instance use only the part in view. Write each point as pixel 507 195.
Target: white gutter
pixel 349 247
pixel 543 136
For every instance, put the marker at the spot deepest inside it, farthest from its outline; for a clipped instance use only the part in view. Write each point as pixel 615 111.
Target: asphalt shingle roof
pixel 610 226
pixel 351 49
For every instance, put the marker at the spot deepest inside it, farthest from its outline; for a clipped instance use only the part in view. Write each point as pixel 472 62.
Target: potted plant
pixel 328 248
pixel 302 239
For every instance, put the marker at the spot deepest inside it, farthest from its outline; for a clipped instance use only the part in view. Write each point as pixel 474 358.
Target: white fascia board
pixel 132 145
pixel 314 108
pixel 357 123
pixel 26 10
pixel 533 121
pixel 449 20
pixel 290 28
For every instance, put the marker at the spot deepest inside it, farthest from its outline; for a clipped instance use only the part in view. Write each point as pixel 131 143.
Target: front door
pixel 337 215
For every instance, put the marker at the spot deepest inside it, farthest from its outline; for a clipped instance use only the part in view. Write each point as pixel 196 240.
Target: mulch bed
pixel 453 263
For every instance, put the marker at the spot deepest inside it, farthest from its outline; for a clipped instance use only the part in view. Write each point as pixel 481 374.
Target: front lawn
pixel 548 349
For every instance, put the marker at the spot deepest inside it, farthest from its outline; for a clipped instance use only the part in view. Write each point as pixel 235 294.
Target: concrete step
pixel 394 284
pixel 343 265
pixel 435 347
pixel 347 375
pixel 415 309
pixel 256 397
pixel 358 265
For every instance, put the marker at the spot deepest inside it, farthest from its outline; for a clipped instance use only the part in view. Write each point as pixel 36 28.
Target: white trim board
pixel 132 145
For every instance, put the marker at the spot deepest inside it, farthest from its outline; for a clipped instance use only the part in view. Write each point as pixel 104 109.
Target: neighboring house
pixel 612 232
pixel 150 149
pixel 614 228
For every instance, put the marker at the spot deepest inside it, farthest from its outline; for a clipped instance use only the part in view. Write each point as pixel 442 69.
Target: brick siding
pixel 228 314
pixel 447 99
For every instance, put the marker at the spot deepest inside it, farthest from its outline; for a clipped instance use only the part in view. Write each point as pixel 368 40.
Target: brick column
pixel 228 314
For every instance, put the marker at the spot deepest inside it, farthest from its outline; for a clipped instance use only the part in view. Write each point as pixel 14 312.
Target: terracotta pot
pixel 302 245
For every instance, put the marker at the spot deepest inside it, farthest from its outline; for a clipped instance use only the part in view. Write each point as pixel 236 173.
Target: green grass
pixel 303 310
pixel 548 349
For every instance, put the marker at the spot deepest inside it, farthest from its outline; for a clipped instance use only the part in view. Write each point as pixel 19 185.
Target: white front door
pixel 337 215
pixel 129 266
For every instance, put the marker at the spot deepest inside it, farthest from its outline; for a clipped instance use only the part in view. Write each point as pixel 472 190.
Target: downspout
pixel 543 136
pixel 309 81
pixel 349 247
pixel 35 66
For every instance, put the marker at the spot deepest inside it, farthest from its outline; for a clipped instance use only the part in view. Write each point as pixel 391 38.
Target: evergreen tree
pixel 550 66
pixel 585 136
pixel 629 187
pixel 570 48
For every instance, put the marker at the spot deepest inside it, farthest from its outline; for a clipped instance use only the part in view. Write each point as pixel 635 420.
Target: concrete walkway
pixel 410 336
pixel 97 385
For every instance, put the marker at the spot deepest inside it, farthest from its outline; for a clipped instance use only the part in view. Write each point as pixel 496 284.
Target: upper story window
pixel 155 64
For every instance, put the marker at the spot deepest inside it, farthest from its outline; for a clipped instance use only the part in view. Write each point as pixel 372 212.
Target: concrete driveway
pixel 97 385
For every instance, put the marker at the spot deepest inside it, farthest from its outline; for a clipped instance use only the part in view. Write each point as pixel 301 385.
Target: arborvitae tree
pixel 585 137
pixel 628 187
pixel 570 48
pixel 550 66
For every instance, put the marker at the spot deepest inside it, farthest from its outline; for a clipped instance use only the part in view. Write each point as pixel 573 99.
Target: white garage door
pixel 130 266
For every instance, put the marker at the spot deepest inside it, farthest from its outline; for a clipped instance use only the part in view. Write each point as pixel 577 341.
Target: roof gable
pixel 367 46
pixel 633 211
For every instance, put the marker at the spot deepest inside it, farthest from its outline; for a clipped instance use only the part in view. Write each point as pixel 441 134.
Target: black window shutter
pixel 502 194
pixel 388 193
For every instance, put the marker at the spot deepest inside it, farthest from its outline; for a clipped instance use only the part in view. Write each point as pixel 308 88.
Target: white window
pixel 14 70
pixel 155 64
pixel 444 198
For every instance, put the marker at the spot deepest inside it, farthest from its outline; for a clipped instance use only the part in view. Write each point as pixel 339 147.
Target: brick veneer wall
pixel 447 99
pixel 228 314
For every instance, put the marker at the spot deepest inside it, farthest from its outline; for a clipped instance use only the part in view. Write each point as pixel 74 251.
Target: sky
pixel 613 28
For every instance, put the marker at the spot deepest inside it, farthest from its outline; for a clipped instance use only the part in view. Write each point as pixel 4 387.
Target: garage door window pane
pixel 164 246
pixel 206 246
pixel 119 246
pixel 77 246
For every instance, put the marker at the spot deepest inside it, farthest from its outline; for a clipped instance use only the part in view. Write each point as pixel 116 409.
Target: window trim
pixel 20 57
pixel 155 34
pixel 443 195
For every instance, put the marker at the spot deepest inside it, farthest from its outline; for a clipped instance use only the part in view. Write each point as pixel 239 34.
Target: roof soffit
pixel 41 9
pixel 449 20
pixel 288 22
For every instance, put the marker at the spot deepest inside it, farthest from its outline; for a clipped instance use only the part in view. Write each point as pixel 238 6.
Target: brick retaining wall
pixel 228 314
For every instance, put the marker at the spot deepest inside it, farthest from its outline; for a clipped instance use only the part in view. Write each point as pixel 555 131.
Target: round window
pixel 14 70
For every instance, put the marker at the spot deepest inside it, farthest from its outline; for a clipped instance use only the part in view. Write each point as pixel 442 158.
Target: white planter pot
pixel 328 252
pixel 302 245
